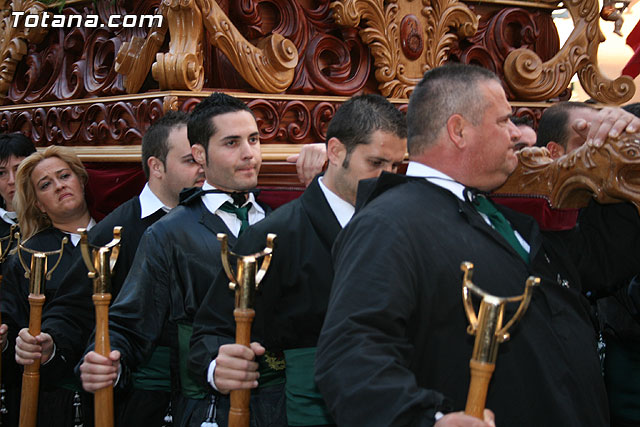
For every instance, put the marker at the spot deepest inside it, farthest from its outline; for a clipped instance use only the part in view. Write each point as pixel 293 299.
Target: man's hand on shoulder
pixel 310 162
pixel 609 122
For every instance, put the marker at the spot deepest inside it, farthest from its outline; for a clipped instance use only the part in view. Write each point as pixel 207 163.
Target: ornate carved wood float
pixel 609 174
pixel 294 62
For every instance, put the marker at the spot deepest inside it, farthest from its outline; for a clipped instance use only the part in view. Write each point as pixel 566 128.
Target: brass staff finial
pixel 4 250
pixel 38 269
pixel 246 280
pixel 100 261
pixel 489 332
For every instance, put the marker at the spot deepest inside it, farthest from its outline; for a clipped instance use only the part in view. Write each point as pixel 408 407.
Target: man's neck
pixel 332 182
pixel 169 200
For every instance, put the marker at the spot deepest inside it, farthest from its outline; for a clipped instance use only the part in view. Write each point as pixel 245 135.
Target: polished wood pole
pixel 239 410
pixel 481 373
pixel 100 263
pixel 31 375
pixel 103 398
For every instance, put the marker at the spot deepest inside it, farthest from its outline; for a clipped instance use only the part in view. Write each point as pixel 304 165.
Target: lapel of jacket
pixel 214 223
pixel 322 218
pixel 519 223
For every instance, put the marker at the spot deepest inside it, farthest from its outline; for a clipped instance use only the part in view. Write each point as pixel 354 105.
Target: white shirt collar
pixel 8 217
pixel 342 209
pixel 213 201
pixel 75 237
pixel 436 177
pixel 150 203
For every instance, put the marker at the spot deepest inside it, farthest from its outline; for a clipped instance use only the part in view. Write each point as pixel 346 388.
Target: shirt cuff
pixel 53 354
pixel 210 375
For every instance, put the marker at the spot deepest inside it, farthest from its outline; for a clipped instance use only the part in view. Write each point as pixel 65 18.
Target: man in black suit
pixel 394 348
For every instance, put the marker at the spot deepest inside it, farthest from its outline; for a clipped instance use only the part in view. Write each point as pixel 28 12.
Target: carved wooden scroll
pixel 136 56
pixel 534 80
pixel 268 67
pixel 13 40
pixel 610 174
pixel 181 67
pixel 406 38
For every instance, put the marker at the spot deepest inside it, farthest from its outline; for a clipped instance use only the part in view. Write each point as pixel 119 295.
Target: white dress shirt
pixel 213 201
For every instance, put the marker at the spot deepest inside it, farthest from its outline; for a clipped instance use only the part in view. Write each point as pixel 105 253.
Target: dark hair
pixel 442 92
pixel 361 116
pixel 155 142
pixel 554 123
pixel 15 144
pixel 522 121
pixel 201 127
pixel 633 108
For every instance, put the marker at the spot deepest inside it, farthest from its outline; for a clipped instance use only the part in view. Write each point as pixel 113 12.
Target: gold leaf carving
pixel 170 103
pixel 268 67
pixel 136 56
pixel 534 80
pixel 610 174
pixel 181 67
pixel 444 23
pixel 13 41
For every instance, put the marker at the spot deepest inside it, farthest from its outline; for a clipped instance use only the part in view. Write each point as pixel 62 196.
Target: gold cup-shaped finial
pixel 247 277
pixel 487 325
pixel 37 271
pixel 100 261
pixel 489 331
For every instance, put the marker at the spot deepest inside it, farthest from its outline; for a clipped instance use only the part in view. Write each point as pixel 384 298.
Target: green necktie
pixel 500 224
pixel 242 214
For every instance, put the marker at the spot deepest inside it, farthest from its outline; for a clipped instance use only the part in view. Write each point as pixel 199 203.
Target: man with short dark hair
pixel 169 167
pixel 366 136
pixel 14 147
pixel 556 130
pixel 527 133
pixel 179 256
pixel 394 348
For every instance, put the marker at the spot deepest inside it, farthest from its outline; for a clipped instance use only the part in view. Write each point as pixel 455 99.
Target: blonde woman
pixel 51 205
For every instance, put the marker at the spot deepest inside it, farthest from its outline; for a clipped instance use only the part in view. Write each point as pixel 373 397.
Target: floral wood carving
pixel 534 80
pixel 136 56
pixel 181 67
pixel 13 41
pixel 610 174
pixel 268 67
pixel 98 124
pixel 402 55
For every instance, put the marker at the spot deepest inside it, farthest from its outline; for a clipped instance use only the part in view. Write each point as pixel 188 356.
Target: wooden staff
pixel 244 283
pixel 37 273
pixel 489 332
pixel 100 267
pixel 31 375
pixel 4 252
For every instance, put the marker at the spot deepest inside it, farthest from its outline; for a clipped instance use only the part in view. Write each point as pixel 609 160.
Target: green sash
pixel 156 373
pixel 305 405
pixel 190 388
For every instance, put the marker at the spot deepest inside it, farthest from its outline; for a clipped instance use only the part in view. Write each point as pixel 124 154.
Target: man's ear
pixel 555 149
pixel 156 168
pixel 456 125
pixel 199 155
pixel 336 151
